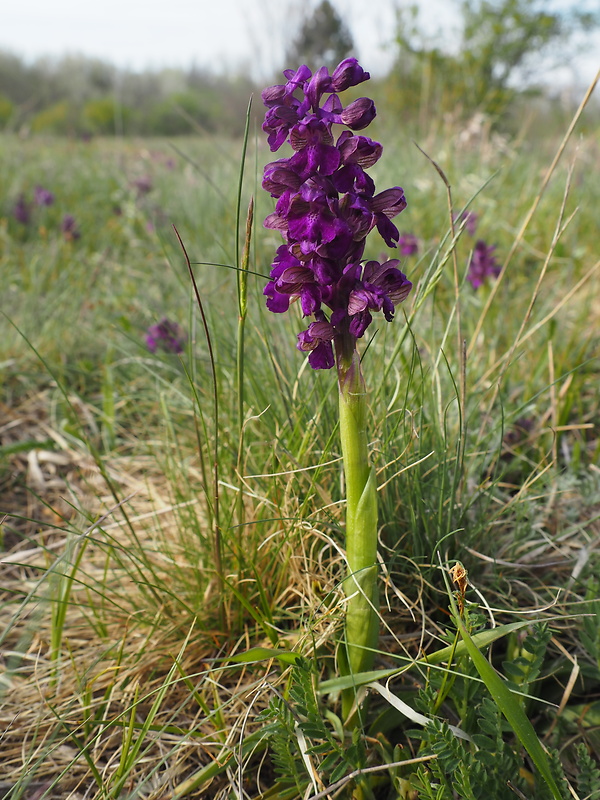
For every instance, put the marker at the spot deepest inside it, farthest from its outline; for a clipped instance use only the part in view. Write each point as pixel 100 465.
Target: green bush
pixel 7 109
pixel 59 118
pixel 181 113
pixel 104 116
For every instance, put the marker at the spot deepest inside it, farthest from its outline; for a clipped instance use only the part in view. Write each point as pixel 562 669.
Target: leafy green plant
pixel 588 774
pixel 308 744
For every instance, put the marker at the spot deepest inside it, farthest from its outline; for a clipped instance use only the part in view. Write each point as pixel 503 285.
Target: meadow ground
pixel 126 476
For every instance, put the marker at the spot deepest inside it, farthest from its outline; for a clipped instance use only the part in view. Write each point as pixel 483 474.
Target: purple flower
pixel 470 219
pixel 408 244
pixel 22 210
pixel 348 73
pixel 167 336
pixel 43 197
pixel 316 340
pixel 326 205
pixel 482 264
pixel 142 185
pixel 518 432
pixel 69 228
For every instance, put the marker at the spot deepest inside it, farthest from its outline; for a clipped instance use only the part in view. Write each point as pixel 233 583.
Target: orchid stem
pixel 362 617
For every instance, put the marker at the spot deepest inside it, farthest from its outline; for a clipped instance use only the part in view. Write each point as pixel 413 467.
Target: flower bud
pixel 348 73
pixel 359 114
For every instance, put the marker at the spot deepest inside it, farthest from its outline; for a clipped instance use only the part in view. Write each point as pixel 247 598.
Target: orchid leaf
pixel 266 654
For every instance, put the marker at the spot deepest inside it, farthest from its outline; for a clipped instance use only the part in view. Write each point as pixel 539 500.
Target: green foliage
pixel 17 78
pixel 57 119
pixel 470 773
pixel 526 662
pixel 483 767
pixel 323 39
pixel 500 46
pixel 498 38
pixel 78 95
pixel 588 774
pixel 7 110
pixel 297 724
pixel 104 115
pixel 480 770
pixel 590 634
pixel 184 113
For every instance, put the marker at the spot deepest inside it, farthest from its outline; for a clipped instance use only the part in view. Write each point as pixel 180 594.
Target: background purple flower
pixel 22 210
pixel 167 336
pixel 470 219
pixel 69 228
pixel 483 264
pixel 142 185
pixel 43 197
pixel 408 244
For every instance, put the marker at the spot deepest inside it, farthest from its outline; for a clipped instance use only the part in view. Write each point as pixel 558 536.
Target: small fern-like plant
pixel 492 764
pixel 305 740
pixel 588 774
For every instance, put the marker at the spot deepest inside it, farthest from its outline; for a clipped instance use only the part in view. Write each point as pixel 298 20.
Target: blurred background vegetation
pixel 496 62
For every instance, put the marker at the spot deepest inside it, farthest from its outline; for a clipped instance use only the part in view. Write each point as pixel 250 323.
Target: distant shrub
pixel 102 115
pixel 181 113
pixel 7 109
pixel 59 118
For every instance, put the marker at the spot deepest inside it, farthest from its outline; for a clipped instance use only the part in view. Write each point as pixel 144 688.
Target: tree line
pixel 76 95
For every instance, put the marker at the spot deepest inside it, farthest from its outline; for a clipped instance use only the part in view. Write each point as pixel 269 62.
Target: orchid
pixel 167 336
pixel 483 264
pixel 326 205
pixel 408 244
pixel 470 220
pixel 22 210
pixel 43 197
pixel 69 228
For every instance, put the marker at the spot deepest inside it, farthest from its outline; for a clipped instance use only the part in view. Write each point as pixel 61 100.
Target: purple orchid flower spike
pixel 165 335
pixel 408 244
pixel 43 197
pixel 142 185
pixel 326 206
pixel 22 210
pixel 69 228
pixel 483 264
pixel 470 220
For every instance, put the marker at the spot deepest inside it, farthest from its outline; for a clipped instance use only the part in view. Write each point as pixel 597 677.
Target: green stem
pixel 242 286
pixel 362 619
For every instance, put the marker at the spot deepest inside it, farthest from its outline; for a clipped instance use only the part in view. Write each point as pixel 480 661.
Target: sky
pixel 221 34
pixel 248 35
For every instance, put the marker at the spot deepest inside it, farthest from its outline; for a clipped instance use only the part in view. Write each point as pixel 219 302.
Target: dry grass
pixel 118 649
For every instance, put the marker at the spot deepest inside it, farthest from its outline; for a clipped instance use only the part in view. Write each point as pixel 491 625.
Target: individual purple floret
pixel 482 264
pixel 326 206
pixel 69 228
pixel 43 197
pixel 22 210
pixel 167 336
pixel 470 219
pixel 408 244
